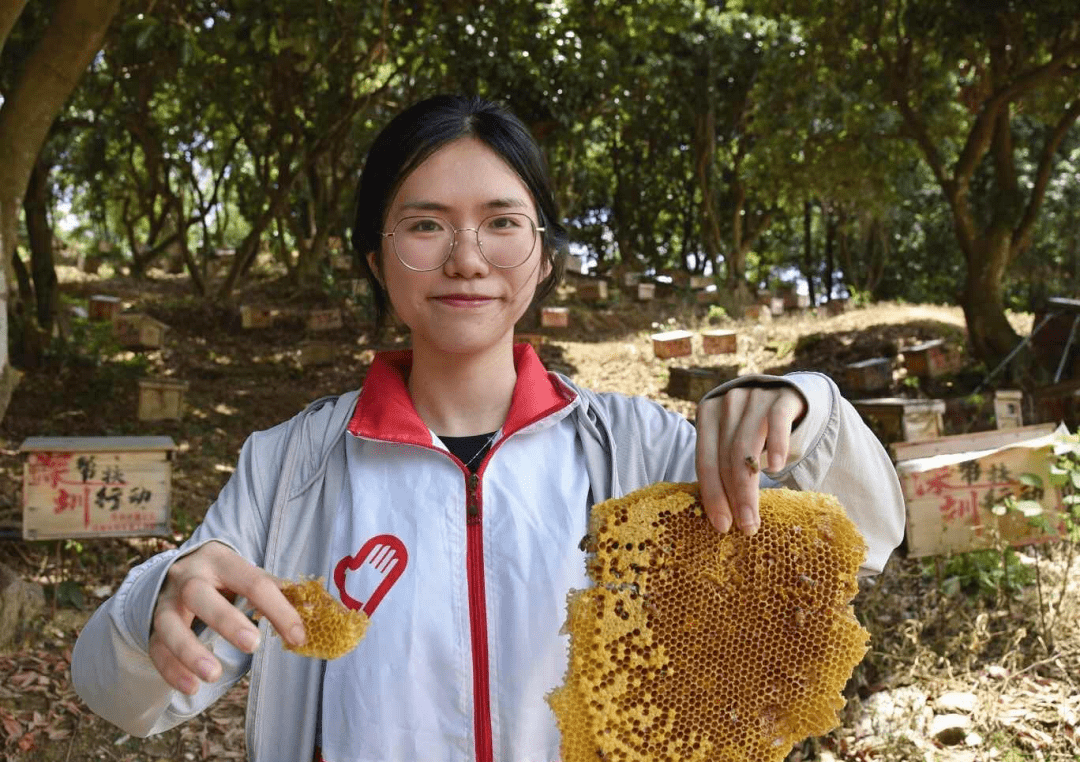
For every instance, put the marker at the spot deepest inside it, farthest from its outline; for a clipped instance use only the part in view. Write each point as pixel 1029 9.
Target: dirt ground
pixel 938 628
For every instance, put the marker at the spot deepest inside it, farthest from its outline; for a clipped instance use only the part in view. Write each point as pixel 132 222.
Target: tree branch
pixel 1022 234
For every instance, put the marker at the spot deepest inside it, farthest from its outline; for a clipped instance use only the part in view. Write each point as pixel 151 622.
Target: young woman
pixel 448 496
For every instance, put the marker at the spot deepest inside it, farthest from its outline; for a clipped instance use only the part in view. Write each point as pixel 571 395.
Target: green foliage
pixel 717 314
pixel 1065 475
pixel 678 133
pixel 87 344
pixel 985 573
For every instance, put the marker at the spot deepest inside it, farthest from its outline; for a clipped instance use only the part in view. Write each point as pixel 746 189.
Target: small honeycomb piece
pixel 332 629
pixel 701 646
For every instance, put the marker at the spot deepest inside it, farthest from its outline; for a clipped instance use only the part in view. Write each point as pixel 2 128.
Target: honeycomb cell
pixel 332 629
pixel 706 646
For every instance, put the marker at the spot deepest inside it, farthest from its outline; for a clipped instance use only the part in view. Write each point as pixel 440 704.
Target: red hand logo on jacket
pixel 381 561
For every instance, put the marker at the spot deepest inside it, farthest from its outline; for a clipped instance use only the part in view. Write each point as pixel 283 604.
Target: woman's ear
pixel 373 263
pixel 545 267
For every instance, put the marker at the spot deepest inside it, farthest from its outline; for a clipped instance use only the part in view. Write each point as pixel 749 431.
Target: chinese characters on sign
pixel 95 487
pixel 951 499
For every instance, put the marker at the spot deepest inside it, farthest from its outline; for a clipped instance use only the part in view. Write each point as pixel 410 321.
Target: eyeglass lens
pixel 425 243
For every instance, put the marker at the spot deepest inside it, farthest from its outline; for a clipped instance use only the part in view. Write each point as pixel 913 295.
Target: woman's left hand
pixel 746 429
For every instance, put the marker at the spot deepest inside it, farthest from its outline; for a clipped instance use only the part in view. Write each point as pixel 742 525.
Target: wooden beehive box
pixel 646 292
pixel 758 312
pixel 161 399
pixel 719 342
pixel 103 308
pixel 868 375
pixel 555 317
pixel 535 340
pixel 317 352
pixel 252 316
pixel 593 290
pixel 694 383
pixel 324 320
pixel 793 300
pixel 895 419
pixel 836 307
pixel 701 281
pixel 931 359
pixel 96 486
pixel 951 485
pixel 629 280
pixel 705 296
pixel 137 331
pixel 672 344
pixel 1008 408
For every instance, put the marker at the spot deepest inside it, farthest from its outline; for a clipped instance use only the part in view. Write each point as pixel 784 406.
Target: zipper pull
pixel 472 499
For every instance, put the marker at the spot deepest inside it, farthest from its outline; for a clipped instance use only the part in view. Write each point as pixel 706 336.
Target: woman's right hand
pixel 200 586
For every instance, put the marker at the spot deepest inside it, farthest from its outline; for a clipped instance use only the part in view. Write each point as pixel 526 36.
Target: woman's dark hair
pixel 414 135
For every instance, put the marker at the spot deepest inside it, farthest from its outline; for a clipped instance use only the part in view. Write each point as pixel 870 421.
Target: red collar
pixel 385 410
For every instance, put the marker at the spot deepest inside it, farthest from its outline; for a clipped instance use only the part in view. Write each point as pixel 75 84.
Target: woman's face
pixel 467 305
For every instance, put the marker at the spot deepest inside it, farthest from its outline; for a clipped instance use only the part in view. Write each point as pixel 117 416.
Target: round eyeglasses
pixel 425 243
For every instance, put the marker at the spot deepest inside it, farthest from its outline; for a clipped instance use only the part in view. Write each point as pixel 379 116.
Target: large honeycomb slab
pixel 332 629
pixel 695 645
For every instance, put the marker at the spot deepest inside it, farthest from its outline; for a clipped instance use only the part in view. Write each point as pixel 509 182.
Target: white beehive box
pixel 593 290
pixel 96 486
pixel 253 316
pixel 951 485
pixel 555 317
pixel 161 399
pixel 719 342
pixel 672 344
pixel 104 308
pixel 324 320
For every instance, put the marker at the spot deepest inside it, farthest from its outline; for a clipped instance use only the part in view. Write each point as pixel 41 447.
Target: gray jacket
pixel 283 496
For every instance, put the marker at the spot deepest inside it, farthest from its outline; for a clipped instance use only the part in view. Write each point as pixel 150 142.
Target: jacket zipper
pixel 474 533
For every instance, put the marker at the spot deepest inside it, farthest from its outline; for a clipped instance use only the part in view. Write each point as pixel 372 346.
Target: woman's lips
pixel 463 300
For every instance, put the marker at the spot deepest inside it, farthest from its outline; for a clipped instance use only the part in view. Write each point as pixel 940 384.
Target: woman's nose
pixel 466 258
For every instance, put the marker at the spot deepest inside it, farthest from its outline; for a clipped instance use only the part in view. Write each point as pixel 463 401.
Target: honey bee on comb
pixel 332 629
pixel 696 645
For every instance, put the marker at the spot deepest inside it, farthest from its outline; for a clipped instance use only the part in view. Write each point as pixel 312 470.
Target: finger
pixel 778 442
pixel 171 668
pixel 740 472
pixel 180 657
pixel 263 592
pixel 205 601
pixel 713 498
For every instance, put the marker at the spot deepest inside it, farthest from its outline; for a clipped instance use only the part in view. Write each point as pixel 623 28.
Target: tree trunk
pixel 991 335
pixel 808 247
pixel 22 276
pixel 40 234
pixel 70 42
pixel 10 10
pixel 832 226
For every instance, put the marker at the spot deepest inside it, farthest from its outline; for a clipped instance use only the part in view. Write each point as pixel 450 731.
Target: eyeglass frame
pixel 454 241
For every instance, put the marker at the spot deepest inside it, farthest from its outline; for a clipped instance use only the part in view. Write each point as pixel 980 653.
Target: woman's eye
pixel 423 225
pixel 504 223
